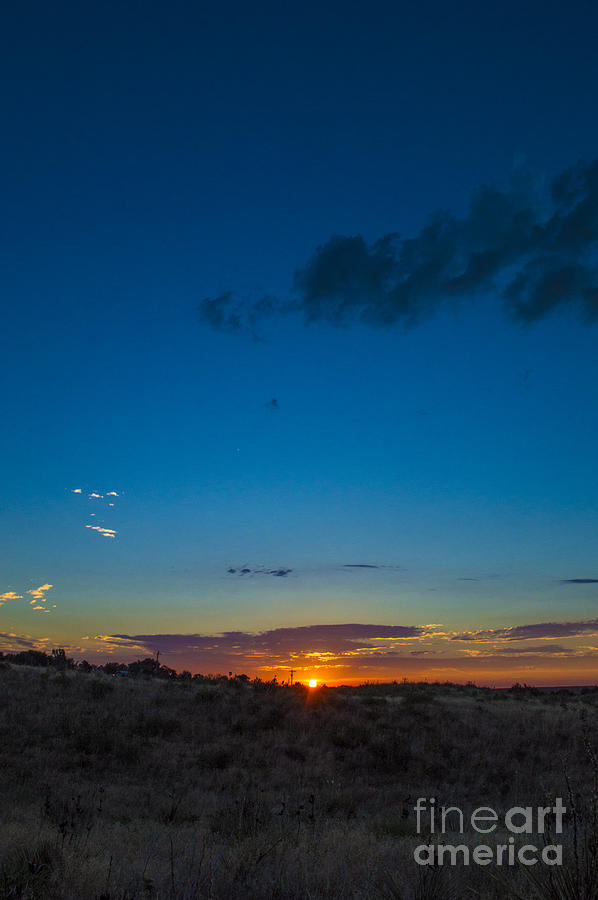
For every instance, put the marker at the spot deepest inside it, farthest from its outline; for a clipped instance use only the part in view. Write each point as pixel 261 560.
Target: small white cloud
pixel 76 491
pixel 111 504
pixel 106 532
pixel 94 496
pixel 112 494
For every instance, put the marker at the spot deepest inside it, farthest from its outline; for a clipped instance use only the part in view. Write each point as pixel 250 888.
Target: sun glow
pixel 313 682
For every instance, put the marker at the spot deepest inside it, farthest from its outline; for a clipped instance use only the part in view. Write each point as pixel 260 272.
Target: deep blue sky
pixel 154 155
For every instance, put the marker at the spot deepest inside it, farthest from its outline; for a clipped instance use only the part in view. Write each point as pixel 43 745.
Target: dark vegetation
pixel 158 785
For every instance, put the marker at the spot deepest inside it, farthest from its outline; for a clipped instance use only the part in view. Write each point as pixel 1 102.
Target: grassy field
pixel 118 788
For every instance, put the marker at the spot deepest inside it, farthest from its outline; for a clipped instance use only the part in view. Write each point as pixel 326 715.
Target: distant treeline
pixel 150 667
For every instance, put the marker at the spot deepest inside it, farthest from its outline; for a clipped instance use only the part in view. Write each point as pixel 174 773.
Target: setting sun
pixel 313 682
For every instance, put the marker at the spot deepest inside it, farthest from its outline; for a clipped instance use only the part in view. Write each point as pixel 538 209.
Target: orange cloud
pixel 38 593
pixel 9 595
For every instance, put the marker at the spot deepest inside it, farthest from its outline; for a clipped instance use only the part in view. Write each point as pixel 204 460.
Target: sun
pixel 313 682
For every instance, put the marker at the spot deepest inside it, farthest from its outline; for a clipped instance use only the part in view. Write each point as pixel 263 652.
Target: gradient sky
pixel 429 467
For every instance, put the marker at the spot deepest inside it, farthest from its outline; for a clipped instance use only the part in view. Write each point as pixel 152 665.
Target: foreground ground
pixel 114 789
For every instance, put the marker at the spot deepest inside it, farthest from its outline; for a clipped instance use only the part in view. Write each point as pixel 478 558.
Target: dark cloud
pixel 523 632
pixel 304 638
pixel 345 645
pixel 538 252
pixel 278 573
pixel 579 581
pixel 360 566
pixel 272 404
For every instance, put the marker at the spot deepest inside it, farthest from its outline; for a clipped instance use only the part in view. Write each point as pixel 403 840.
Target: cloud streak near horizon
pixel 301 639
pixel 353 652
pixel 540 630
pixel 246 570
pixel 537 250
pixel 346 650
pixel 579 581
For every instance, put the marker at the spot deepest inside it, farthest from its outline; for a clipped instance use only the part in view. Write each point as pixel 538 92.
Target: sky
pixel 300 308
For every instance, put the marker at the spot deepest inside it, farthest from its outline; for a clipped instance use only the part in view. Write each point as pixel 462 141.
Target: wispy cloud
pixel 579 581
pixel 13 643
pixel 484 577
pixel 224 313
pixel 542 649
pixel 246 570
pixel 546 630
pixel 110 643
pixel 106 532
pixel 547 651
pixel 282 571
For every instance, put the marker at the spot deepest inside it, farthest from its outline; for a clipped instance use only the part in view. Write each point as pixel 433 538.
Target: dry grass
pixel 114 789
